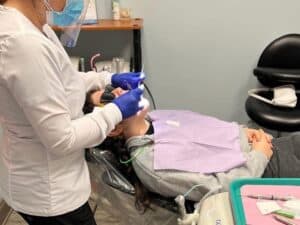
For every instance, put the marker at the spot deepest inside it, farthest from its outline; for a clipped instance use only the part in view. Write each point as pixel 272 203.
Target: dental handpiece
pixel 107 95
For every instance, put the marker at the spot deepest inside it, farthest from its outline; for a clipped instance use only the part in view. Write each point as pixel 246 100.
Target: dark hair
pixel 88 104
pixel 117 146
pixel 2 2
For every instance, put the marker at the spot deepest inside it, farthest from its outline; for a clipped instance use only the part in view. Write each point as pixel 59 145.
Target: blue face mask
pixel 70 15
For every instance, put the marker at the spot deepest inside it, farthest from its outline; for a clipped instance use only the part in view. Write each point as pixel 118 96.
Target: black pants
pixel 81 216
pixel 285 161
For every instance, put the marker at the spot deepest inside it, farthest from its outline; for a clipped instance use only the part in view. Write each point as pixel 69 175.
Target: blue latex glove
pixel 129 102
pixel 127 81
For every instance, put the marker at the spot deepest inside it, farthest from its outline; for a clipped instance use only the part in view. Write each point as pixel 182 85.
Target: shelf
pixel 133 24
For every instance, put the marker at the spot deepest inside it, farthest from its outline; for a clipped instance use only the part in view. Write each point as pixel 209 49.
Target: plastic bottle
pixel 116 9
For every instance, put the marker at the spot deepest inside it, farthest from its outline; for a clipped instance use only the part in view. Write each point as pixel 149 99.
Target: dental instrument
pixel 107 95
pixel 271 197
pixel 285 213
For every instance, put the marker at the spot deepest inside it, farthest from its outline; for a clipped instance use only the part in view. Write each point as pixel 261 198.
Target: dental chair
pixel 279 64
pixel 115 194
pixel 116 198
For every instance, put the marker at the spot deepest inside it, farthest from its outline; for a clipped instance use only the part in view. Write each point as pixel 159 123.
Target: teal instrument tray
pixel 235 194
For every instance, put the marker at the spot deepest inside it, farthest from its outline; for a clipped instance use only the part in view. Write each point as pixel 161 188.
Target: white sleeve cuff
pixel 111 110
pixel 94 80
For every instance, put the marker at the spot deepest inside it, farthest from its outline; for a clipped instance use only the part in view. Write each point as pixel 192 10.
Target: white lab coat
pixel 43 171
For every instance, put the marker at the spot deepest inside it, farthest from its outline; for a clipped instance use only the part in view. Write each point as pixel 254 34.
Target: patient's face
pixel 131 123
pixel 96 96
pixel 127 124
pixel 133 126
pixel 118 91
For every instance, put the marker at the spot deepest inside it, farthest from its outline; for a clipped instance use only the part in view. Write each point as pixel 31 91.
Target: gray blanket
pixel 285 161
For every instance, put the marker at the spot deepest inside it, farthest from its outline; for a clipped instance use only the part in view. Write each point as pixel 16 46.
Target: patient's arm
pixel 254 167
pixel 263 146
pixel 172 183
pixel 257 160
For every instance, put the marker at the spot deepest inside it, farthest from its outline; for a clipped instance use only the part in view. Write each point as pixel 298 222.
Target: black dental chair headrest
pixel 279 63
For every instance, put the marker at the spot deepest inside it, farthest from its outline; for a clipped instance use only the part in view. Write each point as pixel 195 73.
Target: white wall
pixel 199 54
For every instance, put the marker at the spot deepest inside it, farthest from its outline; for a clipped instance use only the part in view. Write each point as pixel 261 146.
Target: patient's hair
pixel 88 104
pixel 2 2
pixel 117 146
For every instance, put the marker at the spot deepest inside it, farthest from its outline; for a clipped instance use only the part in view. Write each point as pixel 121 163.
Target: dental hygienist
pixel 43 172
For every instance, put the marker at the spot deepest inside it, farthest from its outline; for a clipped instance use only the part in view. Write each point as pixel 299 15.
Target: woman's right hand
pixel 263 145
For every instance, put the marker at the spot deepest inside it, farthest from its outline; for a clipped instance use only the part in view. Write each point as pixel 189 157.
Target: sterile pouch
pixel 283 96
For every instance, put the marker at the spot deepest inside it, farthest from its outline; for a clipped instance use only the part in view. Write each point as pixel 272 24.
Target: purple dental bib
pixel 188 141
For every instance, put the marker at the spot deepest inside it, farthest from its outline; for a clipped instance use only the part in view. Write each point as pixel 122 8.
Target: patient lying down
pixel 246 153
